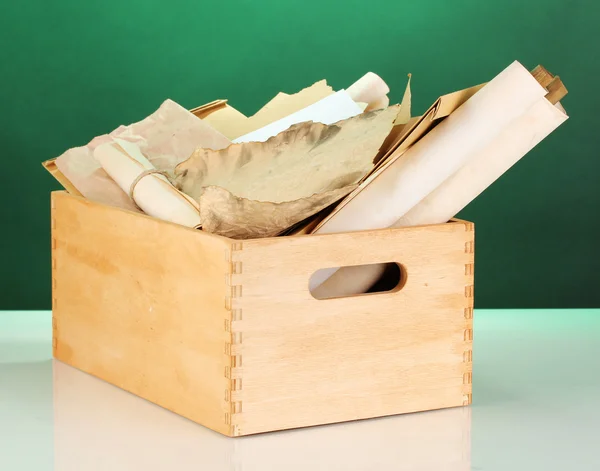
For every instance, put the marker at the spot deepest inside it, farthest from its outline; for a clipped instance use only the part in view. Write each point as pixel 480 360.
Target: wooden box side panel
pixel 141 303
pixel 304 361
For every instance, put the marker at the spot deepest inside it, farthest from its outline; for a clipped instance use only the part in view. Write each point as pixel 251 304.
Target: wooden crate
pixel 227 334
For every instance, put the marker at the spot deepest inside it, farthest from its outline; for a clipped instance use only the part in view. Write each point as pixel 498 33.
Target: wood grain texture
pixel 139 311
pixel 556 90
pixel 227 334
pixel 542 75
pixel 308 361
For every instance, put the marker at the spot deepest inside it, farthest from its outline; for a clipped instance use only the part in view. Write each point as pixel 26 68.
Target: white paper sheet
pixel 329 110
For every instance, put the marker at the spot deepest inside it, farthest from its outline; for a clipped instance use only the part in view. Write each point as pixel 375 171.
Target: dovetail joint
pixel 468 316
pixel 233 357
pixel 236 267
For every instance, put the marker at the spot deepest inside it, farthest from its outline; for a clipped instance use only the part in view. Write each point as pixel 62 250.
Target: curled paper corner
pixel 231 216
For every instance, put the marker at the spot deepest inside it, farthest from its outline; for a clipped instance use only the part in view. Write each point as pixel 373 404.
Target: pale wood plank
pixel 308 361
pixel 140 303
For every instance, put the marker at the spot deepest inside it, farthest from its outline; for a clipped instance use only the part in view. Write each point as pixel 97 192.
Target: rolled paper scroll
pixel 166 137
pixel 371 89
pixel 460 189
pixel 400 184
pixel 150 190
pixel 379 104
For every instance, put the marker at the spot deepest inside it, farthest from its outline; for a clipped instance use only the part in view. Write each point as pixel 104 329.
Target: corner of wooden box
pixel 233 337
pixel 468 312
pixel 53 271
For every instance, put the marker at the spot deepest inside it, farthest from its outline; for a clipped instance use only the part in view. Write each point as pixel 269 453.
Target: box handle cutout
pixel 392 278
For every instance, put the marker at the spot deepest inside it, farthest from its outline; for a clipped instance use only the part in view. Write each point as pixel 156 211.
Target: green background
pixel 74 69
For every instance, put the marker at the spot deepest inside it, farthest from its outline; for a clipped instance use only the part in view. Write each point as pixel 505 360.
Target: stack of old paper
pixel 298 155
pixel 319 161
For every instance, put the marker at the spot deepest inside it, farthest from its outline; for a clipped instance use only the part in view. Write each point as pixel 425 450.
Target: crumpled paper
pixel 307 167
pixel 166 137
pixel 220 212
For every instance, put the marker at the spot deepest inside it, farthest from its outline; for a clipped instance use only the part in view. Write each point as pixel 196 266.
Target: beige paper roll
pixel 153 193
pixel 399 185
pixel 370 88
pixel 516 140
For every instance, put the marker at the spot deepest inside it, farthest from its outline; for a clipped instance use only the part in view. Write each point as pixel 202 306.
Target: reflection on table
pixel 98 427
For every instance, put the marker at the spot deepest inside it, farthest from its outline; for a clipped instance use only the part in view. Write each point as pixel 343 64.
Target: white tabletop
pixel 536 406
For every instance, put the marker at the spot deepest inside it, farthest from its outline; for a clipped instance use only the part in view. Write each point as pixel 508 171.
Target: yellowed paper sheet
pixel 301 163
pixel 522 135
pixel 234 124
